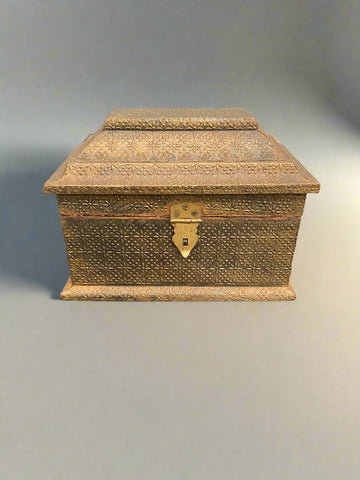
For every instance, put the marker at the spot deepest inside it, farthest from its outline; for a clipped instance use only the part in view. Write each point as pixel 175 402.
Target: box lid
pixel 195 150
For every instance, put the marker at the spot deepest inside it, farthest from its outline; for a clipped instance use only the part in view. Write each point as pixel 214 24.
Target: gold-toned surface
pixel 158 205
pixel 139 251
pixel 124 195
pixel 126 239
pixel 180 119
pixel 191 151
pixel 176 293
pixel 180 146
pixel 185 217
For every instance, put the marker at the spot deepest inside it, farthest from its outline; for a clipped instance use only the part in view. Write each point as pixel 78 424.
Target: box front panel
pixel 246 240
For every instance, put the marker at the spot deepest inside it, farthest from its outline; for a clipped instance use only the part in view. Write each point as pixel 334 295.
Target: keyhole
pixel 185 242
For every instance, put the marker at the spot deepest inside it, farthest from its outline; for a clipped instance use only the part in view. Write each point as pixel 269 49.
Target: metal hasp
pixel 185 218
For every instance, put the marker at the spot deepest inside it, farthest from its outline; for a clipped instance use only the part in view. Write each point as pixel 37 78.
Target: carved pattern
pixel 181 146
pixel 179 169
pixel 140 252
pixel 180 161
pixel 180 119
pixel 133 205
pixel 174 293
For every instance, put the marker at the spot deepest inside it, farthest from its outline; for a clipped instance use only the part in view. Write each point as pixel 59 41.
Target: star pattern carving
pixel 238 251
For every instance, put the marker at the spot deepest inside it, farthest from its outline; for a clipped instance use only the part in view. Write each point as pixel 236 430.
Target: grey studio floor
pixel 111 390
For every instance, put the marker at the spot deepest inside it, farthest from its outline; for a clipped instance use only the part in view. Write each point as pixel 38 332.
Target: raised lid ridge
pixel 180 119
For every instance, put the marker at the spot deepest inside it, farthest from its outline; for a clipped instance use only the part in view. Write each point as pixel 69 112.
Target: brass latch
pixel 185 218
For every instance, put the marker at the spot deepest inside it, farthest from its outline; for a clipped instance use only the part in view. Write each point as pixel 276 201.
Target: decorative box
pixel 180 204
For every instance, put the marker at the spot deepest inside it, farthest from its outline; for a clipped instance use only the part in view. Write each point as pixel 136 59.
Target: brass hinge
pixel 185 218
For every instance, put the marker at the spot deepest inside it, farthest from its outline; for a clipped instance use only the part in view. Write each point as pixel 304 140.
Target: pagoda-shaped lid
pixel 181 150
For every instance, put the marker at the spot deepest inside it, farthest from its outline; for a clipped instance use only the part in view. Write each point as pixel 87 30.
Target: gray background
pixel 180 391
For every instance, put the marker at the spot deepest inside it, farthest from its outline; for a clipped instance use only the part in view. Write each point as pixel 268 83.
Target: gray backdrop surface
pixel 175 391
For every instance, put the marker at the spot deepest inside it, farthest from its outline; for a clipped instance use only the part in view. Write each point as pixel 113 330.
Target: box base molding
pixel 143 293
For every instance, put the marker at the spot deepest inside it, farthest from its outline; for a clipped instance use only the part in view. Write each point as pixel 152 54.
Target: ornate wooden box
pixel 180 204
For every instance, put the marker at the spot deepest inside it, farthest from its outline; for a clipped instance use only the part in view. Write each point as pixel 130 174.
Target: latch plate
pixel 185 218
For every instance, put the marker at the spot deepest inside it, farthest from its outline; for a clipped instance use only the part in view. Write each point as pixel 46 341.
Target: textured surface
pixel 127 240
pixel 205 391
pixel 235 251
pixel 179 293
pixel 180 119
pixel 158 205
pixel 181 146
pixel 170 153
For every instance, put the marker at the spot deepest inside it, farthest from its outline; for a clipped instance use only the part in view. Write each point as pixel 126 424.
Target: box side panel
pixel 244 240
pixel 159 205
pixel 230 251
